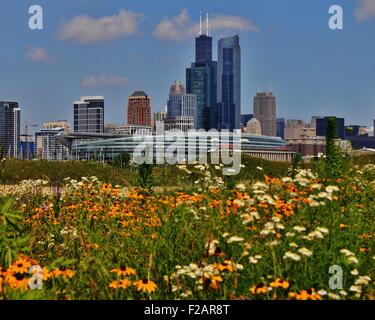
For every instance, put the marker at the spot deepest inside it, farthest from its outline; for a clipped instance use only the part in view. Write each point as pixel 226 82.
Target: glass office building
pixel 181 104
pixel 89 115
pixel 10 127
pixel 181 108
pixel 201 80
pixel 203 49
pixel 228 113
pixel 322 123
pixel 280 127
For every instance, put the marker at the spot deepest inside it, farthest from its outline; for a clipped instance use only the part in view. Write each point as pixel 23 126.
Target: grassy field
pixel 265 234
pixel 15 171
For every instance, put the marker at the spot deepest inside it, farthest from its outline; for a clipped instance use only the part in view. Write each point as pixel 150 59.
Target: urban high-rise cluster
pixel 209 99
pixel 217 84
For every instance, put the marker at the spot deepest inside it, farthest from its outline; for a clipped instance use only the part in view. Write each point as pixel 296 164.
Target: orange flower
pixel 120 284
pixel 63 272
pixel 46 274
pixel 146 286
pixel 215 280
pixel 308 294
pixel 278 283
pixel 260 288
pixel 17 281
pixel 226 265
pixel 124 271
pixel 21 266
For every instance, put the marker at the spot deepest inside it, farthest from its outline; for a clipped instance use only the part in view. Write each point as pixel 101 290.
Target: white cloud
pixel 365 10
pixel 181 26
pixel 85 29
pixel 110 80
pixel 37 54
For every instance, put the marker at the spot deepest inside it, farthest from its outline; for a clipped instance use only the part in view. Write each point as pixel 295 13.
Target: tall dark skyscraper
pixel 280 127
pixel 201 80
pixel 228 114
pixel 10 124
pixel 203 49
pixel 89 115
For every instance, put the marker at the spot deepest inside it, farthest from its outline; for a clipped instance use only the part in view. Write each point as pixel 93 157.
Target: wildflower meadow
pixel 200 236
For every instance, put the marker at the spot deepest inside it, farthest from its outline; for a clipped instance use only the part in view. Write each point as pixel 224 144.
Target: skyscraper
pixel 203 49
pixel 89 115
pixel 181 108
pixel 280 128
pixel 10 123
pixel 228 113
pixel 201 80
pixel 139 109
pixel 265 112
pixel 322 123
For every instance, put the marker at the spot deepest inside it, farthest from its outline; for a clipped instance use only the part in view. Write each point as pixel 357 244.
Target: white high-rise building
pixel 181 109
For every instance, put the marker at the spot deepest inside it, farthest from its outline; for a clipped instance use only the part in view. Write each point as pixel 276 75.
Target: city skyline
pixel 313 70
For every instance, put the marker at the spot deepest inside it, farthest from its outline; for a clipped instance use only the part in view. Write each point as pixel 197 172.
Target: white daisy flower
pixel 291 256
pixel 306 252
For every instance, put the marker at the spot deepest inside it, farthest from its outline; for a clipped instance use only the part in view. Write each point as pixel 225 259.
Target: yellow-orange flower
pixel 63 272
pixel 120 284
pixel 21 266
pixel 226 265
pixel 124 271
pixel 308 294
pixel 215 280
pixel 278 283
pixel 17 281
pixel 146 286
pixel 260 288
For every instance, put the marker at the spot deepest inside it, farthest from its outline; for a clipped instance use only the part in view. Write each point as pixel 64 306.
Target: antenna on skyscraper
pixel 200 23
pixel 270 87
pixel 208 26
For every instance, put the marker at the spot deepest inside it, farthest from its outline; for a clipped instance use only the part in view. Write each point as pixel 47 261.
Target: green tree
pixel 333 160
pixel 145 178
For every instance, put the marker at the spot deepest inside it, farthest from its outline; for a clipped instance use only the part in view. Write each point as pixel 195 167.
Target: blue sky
pixel 145 45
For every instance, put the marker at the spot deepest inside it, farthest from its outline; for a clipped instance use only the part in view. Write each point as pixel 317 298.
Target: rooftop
pixel 139 94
